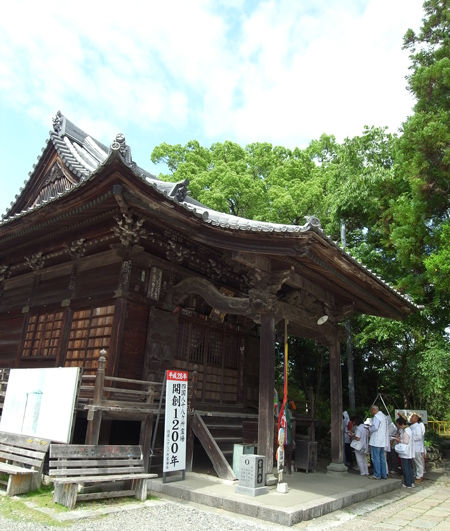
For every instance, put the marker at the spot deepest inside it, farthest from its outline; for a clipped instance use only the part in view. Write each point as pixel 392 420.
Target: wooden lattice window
pixel 232 350
pixel 89 333
pixel 43 335
pixel 205 343
pixel 214 348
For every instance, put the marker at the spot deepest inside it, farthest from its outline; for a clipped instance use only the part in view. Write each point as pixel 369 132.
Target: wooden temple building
pixel 96 253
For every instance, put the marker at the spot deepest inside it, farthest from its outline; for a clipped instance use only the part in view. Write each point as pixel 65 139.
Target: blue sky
pixel 279 71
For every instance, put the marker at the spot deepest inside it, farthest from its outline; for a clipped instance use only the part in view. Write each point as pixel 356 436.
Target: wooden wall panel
pixel 50 291
pixel 131 352
pixel 161 344
pixel 251 371
pixel 100 281
pixel 10 336
pixel 16 294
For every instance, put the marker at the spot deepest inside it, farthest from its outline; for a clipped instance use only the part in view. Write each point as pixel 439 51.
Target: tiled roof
pixel 81 154
pixel 84 155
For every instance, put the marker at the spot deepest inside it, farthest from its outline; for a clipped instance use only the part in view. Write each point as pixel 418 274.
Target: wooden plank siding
pixel 132 349
pixel 10 336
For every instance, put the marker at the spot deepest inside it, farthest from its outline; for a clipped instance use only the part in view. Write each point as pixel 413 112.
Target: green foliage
pixel 433 376
pixel 438 264
pixel 433 439
pixel 423 160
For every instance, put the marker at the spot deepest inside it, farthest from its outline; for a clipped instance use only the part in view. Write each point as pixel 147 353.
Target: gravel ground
pixel 162 515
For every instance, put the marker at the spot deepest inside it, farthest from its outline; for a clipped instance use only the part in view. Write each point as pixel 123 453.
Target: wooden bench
pixel 22 458
pixel 73 466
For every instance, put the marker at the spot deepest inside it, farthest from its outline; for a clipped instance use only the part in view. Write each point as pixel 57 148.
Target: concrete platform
pixel 310 495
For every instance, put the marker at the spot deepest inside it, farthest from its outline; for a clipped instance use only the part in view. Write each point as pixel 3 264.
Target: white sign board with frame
pixel 175 423
pixel 41 402
pixel 406 413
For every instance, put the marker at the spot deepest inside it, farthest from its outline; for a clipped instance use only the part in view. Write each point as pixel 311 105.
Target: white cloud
pixel 292 70
pixel 347 72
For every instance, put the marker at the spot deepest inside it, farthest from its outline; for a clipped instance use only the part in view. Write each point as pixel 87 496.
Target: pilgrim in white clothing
pixel 361 434
pixel 406 437
pixel 418 431
pixel 379 438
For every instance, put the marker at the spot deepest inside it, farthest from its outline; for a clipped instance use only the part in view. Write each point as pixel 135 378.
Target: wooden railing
pixel 118 393
pixel 441 427
pixel 120 397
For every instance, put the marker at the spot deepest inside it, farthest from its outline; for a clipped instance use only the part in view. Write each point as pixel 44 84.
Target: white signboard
pixel 406 413
pixel 175 424
pixel 40 402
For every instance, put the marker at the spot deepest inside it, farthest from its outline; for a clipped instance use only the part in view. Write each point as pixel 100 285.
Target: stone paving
pixel 425 507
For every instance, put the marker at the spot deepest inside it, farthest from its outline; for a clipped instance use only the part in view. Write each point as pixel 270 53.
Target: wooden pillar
pixel 337 441
pixel 266 387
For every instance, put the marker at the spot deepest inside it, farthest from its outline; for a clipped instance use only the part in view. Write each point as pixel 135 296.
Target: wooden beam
pixel 266 387
pixel 207 290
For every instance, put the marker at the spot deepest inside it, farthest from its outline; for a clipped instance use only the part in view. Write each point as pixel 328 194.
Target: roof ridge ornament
pixel 180 191
pixel 57 122
pixel 119 144
pixel 312 222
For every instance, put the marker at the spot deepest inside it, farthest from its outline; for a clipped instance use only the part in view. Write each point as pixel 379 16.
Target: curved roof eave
pixel 82 164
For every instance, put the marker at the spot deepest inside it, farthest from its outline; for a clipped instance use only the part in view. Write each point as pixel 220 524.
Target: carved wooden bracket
pixel 262 296
pixel 77 248
pixel 5 271
pixel 36 261
pixel 129 230
pixel 264 290
pixel 204 288
pixel 176 252
pixel 260 301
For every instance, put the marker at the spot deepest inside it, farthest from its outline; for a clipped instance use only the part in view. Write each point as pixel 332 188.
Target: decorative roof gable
pixel 55 183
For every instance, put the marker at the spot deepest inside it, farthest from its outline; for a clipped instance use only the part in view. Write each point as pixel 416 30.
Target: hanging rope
pixel 282 412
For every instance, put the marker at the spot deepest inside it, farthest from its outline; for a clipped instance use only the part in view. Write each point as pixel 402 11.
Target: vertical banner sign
pixel 175 424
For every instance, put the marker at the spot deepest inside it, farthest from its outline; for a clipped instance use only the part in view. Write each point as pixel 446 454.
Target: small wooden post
pixel 95 416
pixel 145 437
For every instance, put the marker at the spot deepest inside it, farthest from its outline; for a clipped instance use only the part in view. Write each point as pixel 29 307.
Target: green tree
pixel 417 225
pixel 258 182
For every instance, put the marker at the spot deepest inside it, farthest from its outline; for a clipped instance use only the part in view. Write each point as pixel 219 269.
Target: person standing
pixel 377 442
pixel 406 456
pixel 346 429
pixel 418 431
pixel 361 434
pixel 391 455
